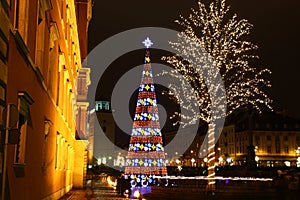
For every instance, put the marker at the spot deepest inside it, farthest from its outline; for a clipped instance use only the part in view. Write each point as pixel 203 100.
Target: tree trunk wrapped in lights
pixel 146 156
pixel 223 39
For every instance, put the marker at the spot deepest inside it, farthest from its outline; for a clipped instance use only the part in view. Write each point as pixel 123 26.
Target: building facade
pixel 39 74
pixel 104 133
pixel 269 139
pixel 274 137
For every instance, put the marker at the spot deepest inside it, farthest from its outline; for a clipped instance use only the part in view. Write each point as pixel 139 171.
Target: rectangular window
pixel 286 149
pixel 21 18
pixel 285 138
pixel 277 144
pixel 58 156
pixel 40 46
pixel 52 65
pixel 269 137
pixel 269 149
pixel 24 120
pixel 62 9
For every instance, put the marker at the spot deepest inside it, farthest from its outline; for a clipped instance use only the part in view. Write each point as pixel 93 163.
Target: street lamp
pixel 257 159
pixel 205 161
pixel 193 160
pixel 220 160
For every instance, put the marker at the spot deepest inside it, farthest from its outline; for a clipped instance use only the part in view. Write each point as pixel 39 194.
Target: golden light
pixel 111 183
pixel 136 194
pixel 256 158
pixel 220 159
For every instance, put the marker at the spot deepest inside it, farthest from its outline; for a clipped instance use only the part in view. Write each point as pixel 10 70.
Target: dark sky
pixel 276 31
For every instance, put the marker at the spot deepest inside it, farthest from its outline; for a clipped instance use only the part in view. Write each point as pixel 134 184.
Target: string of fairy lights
pixel 224 39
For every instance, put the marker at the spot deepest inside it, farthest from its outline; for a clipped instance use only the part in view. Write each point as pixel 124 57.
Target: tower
pixel 146 156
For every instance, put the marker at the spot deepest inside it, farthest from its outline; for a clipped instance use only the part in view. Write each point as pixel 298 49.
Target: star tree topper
pixel 148 43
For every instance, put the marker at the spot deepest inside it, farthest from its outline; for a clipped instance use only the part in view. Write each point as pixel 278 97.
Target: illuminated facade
pixel 4 40
pixel 43 64
pixel 275 138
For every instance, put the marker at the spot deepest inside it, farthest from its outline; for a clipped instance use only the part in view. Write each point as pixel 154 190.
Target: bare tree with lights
pixel 223 37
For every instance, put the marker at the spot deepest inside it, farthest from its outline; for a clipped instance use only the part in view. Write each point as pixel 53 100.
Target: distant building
pixel 191 155
pixel 42 44
pixel 102 130
pixel 275 139
pixel 269 139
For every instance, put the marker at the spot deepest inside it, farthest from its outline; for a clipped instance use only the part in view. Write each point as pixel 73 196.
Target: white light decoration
pixel 224 38
pixel 148 43
pixel 215 178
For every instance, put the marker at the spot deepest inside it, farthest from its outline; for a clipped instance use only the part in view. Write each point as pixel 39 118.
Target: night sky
pixel 276 31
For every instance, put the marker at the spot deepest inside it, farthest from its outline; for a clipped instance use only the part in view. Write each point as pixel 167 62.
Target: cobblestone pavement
pixel 102 191
pixel 99 191
pixel 95 194
pixel 180 194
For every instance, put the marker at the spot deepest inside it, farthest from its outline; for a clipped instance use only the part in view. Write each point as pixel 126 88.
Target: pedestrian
pixel 119 185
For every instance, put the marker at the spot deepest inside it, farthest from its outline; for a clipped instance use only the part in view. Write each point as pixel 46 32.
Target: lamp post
pixel 193 160
pixel 257 159
pixel 205 161
pixel 220 160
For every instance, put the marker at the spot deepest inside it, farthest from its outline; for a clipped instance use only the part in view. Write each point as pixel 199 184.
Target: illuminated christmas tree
pixel 146 156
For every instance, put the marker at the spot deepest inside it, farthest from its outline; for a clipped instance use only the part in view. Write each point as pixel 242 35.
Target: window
pixel 40 45
pixel 50 74
pixel 21 18
pixel 286 149
pixel 58 160
pixel 102 106
pixel 62 8
pixel 269 149
pixel 285 138
pixel 298 138
pixel 24 120
pixel 269 137
pixel 277 144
